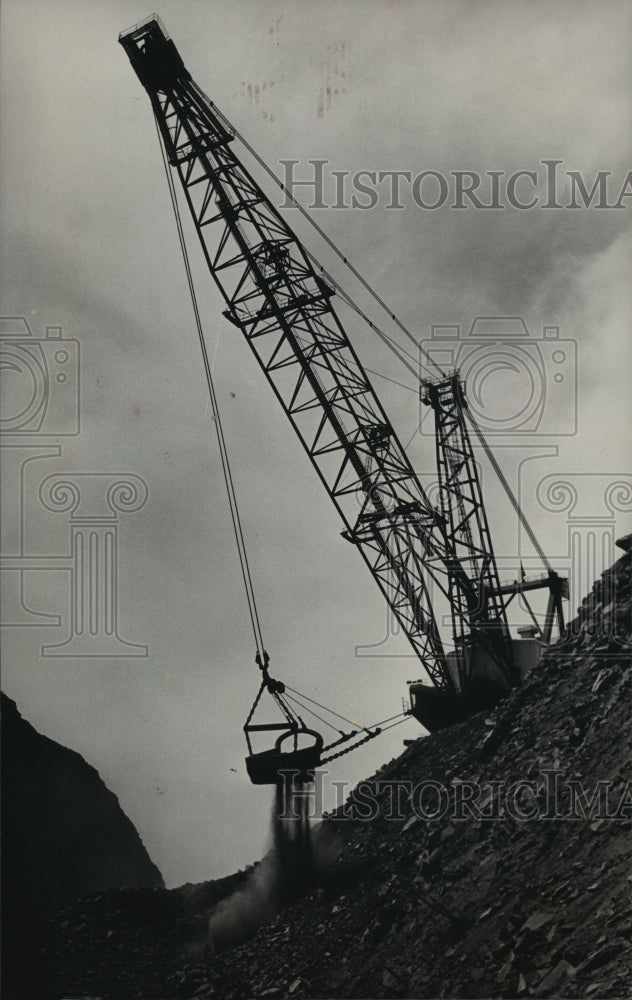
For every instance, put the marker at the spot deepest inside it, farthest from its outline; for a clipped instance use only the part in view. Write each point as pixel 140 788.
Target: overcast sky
pixel 89 244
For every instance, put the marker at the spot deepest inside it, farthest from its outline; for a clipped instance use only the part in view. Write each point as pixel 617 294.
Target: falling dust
pixel 288 871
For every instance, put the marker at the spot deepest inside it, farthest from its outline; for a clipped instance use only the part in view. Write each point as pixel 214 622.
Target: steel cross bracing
pixel 464 513
pixel 283 307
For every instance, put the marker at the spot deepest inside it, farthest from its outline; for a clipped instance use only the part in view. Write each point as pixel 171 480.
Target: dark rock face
pixel 64 835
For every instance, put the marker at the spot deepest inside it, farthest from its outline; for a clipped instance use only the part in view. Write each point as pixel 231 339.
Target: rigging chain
pixel 371 735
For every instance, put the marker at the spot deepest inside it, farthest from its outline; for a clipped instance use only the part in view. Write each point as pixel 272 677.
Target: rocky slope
pixel 492 859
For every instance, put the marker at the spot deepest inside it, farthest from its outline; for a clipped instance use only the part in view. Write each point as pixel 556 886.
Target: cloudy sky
pixel 89 244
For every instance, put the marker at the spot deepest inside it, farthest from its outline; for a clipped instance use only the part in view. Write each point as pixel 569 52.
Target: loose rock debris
pixel 419 907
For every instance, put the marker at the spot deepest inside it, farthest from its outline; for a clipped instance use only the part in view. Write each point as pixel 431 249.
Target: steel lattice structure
pixel 283 307
pixel 463 510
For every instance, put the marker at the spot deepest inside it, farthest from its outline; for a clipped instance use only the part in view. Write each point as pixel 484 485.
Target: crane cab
pixel 437 708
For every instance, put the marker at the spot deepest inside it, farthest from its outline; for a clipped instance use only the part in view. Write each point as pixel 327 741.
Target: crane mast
pixel 283 307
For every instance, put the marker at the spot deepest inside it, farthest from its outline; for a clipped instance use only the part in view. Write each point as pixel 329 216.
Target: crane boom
pixel 274 294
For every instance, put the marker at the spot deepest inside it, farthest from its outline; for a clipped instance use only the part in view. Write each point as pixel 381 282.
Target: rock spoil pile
pixel 492 859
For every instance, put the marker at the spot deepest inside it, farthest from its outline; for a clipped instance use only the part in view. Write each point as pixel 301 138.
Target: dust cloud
pixel 297 854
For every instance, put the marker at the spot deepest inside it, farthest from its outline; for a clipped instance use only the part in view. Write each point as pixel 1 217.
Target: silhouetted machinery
pixel 282 302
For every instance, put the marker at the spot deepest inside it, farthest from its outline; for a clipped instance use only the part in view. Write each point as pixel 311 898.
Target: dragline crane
pixel 280 300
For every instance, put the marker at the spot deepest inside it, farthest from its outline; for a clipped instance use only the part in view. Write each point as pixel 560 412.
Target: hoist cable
pixel 398 723
pixel 400 715
pixel 397 350
pixel 395 381
pixel 507 488
pixel 324 707
pixel 312 712
pixel 230 487
pixel 392 346
pixel 291 717
pixel 372 371
pixel 321 232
